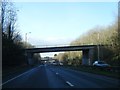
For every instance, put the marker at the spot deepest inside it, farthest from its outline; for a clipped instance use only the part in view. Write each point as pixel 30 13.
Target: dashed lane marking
pixel 69 83
pixel 57 73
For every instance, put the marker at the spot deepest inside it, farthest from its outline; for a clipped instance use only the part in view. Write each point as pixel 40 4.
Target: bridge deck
pixel 58 49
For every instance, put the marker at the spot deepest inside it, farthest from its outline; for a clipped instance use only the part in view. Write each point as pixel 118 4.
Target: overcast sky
pixel 59 23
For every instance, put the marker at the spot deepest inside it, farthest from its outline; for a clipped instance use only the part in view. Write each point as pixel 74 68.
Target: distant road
pixel 47 76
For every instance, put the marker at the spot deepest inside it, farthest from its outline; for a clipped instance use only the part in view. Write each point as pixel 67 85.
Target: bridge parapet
pixel 60 45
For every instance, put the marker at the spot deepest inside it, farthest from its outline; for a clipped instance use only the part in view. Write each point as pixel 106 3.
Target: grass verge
pixel 11 72
pixel 94 70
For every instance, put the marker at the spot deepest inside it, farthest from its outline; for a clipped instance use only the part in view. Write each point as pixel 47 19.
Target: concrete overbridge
pixel 87 52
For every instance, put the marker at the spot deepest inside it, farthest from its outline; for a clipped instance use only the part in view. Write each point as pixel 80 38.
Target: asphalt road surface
pixel 48 76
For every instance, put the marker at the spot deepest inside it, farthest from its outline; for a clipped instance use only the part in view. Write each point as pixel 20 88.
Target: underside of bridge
pixel 87 52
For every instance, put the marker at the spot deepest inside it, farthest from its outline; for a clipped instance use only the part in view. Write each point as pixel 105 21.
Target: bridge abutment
pixel 30 58
pixel 87 56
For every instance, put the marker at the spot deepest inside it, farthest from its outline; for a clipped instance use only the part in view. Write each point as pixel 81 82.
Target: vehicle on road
pixel 61 63
pixel 54 63
pixel 100 64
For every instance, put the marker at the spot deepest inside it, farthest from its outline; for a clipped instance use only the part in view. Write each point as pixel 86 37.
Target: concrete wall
pixel 91 56
pixel 30 58
pixel 87 56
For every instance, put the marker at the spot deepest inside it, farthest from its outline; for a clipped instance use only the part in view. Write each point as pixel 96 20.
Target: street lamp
pixel 98 48
pixel 26 38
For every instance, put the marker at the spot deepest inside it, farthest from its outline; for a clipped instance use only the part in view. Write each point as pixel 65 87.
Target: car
pixel 100 64
pixel 61 63
pixel 54 63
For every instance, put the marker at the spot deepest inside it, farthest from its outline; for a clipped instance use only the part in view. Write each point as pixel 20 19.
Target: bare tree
pixel 8 20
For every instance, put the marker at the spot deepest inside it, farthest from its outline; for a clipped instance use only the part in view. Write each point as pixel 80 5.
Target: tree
pixel 8 20
pixel 109 36
pixel 11 39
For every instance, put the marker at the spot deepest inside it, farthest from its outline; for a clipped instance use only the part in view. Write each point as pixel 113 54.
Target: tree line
pixel 13 53
pixel 100 35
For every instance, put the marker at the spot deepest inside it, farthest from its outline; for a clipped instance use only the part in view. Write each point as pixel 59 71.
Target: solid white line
pixel 18 76
pixel 69 83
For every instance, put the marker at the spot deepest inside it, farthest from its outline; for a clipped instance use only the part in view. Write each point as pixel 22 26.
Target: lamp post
pixel 98 48
pixel 26 38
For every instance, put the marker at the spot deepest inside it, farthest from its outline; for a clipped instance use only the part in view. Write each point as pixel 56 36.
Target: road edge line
pixel 18 76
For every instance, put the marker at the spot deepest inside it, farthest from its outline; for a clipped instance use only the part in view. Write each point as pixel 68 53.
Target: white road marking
pixel 18 76
pixel 57 73
pixel 69 83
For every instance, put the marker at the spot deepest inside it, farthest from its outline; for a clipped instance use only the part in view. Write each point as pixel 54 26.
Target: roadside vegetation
pixel 110 53
pixel 13 54
pixel 109 36
pixel 100 35
pixel 94 70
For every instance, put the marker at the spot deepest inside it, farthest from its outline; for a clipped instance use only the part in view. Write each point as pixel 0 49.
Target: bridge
pixel 87 52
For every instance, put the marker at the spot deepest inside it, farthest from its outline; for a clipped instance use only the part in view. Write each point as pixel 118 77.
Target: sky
pixel 60 23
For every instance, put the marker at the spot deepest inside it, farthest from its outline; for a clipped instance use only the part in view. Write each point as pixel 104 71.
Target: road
pixel 48 76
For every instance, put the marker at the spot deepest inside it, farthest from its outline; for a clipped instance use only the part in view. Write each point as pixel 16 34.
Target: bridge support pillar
pixel 87 57
pixel 30 58
pixel 91 56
